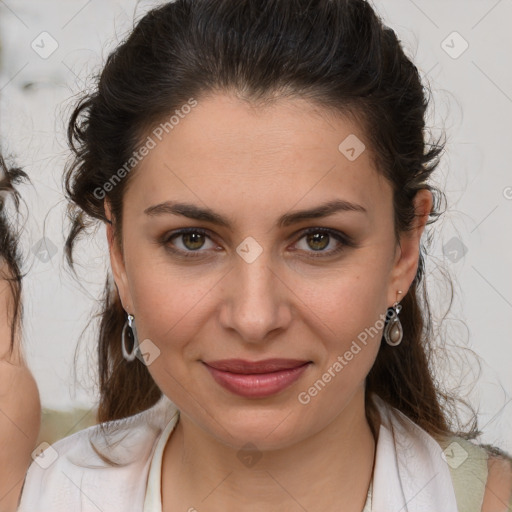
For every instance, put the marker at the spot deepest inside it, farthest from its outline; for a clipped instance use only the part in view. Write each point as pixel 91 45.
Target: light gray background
pixel 472 93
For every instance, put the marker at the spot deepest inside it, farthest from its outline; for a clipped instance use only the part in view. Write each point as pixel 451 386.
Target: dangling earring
pixel 130 356
pixel 393 331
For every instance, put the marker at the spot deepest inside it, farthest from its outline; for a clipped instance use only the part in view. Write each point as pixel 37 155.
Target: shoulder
pixel 467 463
pixel 481 474
pixel 121 449
pixel 498 488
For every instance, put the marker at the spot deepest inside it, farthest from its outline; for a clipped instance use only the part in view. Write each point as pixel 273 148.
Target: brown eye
pixel 318 239
pixel 191 241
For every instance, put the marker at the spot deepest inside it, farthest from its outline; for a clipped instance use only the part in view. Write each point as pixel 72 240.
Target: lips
pixel 256 379
pixel 250 367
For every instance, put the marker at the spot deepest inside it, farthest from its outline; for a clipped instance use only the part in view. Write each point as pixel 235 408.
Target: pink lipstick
pixel 256 379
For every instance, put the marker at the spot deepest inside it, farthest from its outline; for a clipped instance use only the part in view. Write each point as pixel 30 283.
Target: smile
pixel 259 379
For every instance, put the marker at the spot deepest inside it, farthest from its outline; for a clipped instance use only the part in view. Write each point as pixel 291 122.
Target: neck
pixel 329 470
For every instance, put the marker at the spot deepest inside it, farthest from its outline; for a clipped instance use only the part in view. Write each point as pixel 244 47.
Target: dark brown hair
pixel 338 55
pixel 10 255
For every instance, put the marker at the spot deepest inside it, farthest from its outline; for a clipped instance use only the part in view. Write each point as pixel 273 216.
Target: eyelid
pixel 165 239
pixel 341 237
pixel 347 240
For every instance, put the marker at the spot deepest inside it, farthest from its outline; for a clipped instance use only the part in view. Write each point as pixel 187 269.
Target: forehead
pixel 225 150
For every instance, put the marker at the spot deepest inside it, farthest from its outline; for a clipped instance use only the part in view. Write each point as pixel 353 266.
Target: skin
pixel 20 407
pixel 498 488
pixel 254 165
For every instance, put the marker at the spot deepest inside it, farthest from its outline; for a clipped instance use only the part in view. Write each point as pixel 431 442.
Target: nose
pixel 256 301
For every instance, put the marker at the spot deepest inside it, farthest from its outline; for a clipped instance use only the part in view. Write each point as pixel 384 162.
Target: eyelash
pixel 344 240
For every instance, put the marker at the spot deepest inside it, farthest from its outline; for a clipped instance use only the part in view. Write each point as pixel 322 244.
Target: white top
pixel 72 474
pixel 153 498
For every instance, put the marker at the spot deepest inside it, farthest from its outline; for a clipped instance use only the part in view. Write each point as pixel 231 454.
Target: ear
pixel 117 262
pixel 408 252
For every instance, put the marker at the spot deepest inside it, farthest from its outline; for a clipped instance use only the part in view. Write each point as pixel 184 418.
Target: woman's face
pixel 254 287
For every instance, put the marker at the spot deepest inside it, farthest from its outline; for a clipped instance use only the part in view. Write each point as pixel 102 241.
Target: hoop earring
pixel 130 356
pixel 393 331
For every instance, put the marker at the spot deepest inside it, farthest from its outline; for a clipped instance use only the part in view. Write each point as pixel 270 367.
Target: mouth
pixel 256 379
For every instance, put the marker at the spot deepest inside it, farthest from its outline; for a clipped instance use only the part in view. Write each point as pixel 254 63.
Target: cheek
pixel 170 311
pixel 346 323
pixel 169 302
pixel 345 314
pixel 346 301
pixel 167 305
pixel 161 291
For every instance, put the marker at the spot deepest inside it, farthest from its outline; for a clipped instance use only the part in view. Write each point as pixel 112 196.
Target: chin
pixel 268 429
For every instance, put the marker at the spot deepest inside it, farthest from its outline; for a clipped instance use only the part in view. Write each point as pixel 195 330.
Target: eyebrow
pixel 206 214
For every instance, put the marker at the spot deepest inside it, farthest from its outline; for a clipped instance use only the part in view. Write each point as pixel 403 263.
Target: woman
pixel 264 180
pixel 20 408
